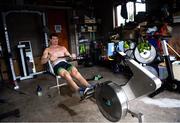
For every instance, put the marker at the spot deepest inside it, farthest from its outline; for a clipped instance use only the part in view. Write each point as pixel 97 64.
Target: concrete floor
pixel 164 107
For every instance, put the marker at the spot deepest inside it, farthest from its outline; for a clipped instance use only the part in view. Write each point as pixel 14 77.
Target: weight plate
pixel 145 54
pixel 152 70
pixel 145 57
pixel 111 101
pixel 130 53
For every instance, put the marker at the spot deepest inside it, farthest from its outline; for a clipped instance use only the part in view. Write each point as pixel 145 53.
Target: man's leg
pixel 74 73
pixel 89 90
pixel 65 74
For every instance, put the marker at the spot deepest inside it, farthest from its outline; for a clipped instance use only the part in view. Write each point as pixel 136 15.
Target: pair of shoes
pixel 81 92
pixel 86 92
pixel 88 89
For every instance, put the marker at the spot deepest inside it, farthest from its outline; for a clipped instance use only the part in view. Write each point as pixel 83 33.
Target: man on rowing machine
pixel 57 55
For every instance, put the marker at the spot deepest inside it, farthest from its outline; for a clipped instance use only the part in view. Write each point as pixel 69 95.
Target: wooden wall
pixel 59 17
pixel 175 41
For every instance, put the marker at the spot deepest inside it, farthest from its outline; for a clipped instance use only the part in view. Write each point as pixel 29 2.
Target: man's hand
pixel 45 60
pixel 45 57
pixel 69 58
pixel 73 56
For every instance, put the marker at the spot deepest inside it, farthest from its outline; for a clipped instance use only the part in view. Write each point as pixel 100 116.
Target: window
pixel 139 7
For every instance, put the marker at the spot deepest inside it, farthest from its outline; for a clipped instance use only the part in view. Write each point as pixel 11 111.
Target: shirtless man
pixel 55 54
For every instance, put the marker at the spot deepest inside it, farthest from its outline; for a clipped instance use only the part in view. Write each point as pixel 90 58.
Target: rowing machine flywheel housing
pixel 111 101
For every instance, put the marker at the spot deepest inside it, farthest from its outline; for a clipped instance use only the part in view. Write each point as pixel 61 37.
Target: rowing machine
pixel 112 97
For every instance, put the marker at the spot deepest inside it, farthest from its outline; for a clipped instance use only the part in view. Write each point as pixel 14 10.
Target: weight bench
pixel 59 84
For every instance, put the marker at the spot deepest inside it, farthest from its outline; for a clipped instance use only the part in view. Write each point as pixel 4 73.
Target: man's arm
pixel 45 57
pixel 66 53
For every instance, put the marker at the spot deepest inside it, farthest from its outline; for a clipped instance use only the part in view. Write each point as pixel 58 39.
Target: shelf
pixel 88 31
pixel 87 28
pixel 90 21
pixel 84 43
pixel 87 24
pixel 176 19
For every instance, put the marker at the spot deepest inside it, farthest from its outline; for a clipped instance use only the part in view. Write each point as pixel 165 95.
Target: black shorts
pixel 62 65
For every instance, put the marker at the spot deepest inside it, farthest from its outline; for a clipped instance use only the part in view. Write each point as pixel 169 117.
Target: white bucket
pixel 176 69
pixel 163 73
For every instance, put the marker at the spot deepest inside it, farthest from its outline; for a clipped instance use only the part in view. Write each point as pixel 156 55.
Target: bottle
pixel 39 90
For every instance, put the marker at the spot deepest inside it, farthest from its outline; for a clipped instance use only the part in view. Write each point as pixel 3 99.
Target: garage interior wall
pixel 25 27
pixel 29 27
